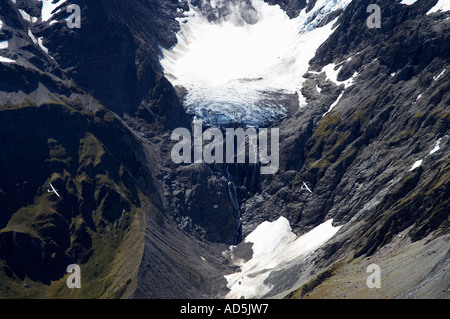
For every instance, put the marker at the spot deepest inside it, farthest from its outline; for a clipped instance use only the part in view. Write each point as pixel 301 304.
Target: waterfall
pixel 235 203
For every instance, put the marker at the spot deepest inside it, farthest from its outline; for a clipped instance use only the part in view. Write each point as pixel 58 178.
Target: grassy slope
pixel 98 220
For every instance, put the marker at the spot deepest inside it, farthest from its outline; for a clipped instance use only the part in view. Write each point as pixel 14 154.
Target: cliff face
pixel 90 111
pixel 394 114
pixel 62 115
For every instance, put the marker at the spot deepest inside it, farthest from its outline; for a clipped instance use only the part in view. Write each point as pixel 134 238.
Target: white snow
pixel 393 74
pixel 6 60
pixel 38 41
pixel 419 96
pixel 301 100
pixel 4 45
pixel 416 164
pixel 439 75
pixel 232 72
pixel 48 7
pixel 275 247
pixel 31 35
pixel 436 147
pixel 334 104
pixel 408 2
pixel 27 17
pixel 441 5
pixel 331 73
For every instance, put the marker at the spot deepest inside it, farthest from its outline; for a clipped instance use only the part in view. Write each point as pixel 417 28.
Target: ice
pixel 436 147
pixel 275 247
pixel 245 73
pixel 441 5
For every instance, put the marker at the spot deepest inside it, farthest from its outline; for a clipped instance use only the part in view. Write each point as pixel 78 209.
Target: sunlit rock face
pixel 242 62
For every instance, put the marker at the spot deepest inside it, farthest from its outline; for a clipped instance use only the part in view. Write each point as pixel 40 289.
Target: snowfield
pixel 48 7
pixel 441 5
pixel 238 73
pixel 275 247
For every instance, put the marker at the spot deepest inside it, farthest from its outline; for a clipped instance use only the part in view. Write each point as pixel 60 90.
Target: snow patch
pixel 439 75
pixel 408 2
pixel 38 41
pixel 332 73
pixel 436 147
pixel 441 5
pixel 27 17
pixel 6 60
pixel 3 45
pixel 275 247
pixel 334 104
pixel 416 165
pixel 48 7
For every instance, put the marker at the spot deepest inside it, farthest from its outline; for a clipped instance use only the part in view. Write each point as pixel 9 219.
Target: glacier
pixel 248 72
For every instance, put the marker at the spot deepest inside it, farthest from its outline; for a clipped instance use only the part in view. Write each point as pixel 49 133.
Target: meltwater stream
pixel 232 193
pixel 242 62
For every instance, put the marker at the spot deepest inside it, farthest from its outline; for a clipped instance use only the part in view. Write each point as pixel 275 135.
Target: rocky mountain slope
pixel 90 110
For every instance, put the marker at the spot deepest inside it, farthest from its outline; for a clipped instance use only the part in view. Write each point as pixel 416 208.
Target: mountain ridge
pixel 94 116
